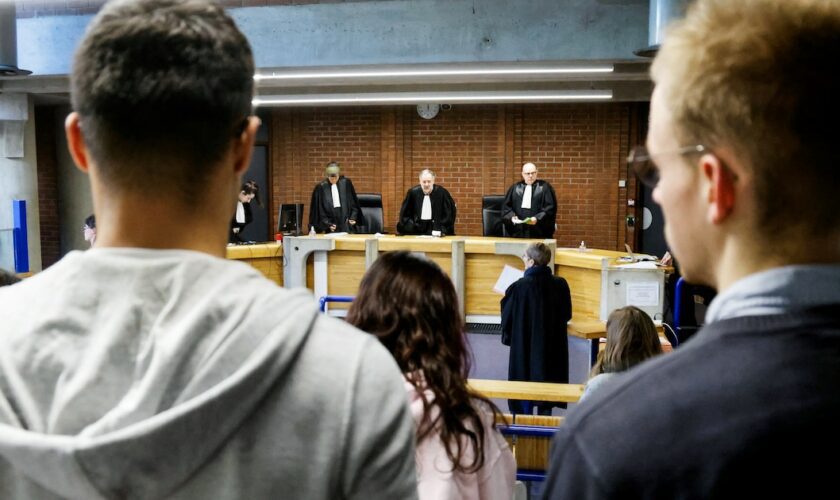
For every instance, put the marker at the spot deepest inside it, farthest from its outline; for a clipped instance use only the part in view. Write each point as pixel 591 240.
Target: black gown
pixel 543 207
pixel 535 313
pixel 443 212
pixel 322 214
pixel 236 237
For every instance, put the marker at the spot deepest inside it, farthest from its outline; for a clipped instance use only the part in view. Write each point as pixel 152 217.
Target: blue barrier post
pixel 19 238
pixel 678 291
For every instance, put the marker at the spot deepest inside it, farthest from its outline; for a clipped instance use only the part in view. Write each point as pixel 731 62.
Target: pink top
pixel 437 481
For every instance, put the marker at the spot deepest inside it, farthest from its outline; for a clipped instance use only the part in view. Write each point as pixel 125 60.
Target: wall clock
pixel 428 111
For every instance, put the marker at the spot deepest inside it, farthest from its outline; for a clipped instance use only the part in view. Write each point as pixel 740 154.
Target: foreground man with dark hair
pixel 149 366
pixel 742 151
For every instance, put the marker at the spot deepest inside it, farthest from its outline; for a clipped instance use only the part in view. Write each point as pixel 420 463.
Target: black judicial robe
pixel 236 237
pixel 535 312
pixel 443 212
pixel 543 207
pixel 322 214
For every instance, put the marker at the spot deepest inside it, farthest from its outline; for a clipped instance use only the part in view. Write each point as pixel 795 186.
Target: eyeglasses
pixel 644 164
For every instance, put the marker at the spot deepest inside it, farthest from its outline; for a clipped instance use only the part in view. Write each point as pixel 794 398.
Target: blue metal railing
pixel 528 431
pixel 322 302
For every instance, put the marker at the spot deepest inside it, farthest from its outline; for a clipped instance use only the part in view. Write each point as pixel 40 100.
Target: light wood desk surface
pixel 535 391
pixel 582 270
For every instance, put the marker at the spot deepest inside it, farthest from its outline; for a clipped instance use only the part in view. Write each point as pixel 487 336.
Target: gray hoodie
pixel 131 373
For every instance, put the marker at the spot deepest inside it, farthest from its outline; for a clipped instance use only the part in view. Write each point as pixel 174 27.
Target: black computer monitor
pixel 290 218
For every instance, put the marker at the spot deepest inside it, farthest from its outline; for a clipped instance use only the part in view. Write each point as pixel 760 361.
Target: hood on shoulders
pixel 123 370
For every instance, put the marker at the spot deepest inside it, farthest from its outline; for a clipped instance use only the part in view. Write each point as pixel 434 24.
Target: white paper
pixel 640 265
pixel 508 276
pixel 643 293
pixel 335 235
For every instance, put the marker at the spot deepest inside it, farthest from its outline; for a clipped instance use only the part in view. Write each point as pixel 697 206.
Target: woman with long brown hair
pixel 411 306
pixel 631 339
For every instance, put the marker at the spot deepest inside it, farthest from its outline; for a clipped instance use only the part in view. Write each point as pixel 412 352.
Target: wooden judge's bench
pixel 334 265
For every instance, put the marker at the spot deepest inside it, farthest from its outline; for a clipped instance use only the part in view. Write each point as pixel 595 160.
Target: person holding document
pixel 535 312
pixel 334 207
pixel 427 209
pixel 530 206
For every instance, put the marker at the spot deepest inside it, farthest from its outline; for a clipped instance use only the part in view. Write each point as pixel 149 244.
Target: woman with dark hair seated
pixel 411 306
pixel 631 339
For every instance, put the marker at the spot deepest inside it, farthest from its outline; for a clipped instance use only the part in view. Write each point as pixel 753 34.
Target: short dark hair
pixel 90 221
pixel 540 253
pixel 162 87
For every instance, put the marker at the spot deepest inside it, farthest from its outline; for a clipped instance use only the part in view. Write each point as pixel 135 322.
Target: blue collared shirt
pixel 778 291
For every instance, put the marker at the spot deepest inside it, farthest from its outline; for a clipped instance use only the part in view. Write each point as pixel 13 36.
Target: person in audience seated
pixel 535 312
pixel 427 209
pixel 152 367
pixel 89 229
pixel 410 304
pixel 8 278
pixel 334 207
pixel 631 339
pixel 530 206
pixel 243 215
pixel 742 152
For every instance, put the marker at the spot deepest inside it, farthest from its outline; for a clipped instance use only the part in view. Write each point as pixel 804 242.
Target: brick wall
pixel 474 150
pixel 47 185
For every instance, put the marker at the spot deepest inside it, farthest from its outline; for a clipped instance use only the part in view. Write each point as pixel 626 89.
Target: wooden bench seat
pixel 533 391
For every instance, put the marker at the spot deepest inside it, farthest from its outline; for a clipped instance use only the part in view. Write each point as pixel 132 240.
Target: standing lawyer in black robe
pixel 535 312
pixel 427 209
pixel 334 207
pixel 243 215
pixel 531 216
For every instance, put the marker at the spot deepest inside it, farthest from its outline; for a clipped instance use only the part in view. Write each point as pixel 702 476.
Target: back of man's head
pixel 756 77
pixel 162 87
pixel 540 253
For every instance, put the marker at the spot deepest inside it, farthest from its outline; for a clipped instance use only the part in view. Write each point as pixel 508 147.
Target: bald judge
pixel 530 206
pixel 334 206
pixel 427 209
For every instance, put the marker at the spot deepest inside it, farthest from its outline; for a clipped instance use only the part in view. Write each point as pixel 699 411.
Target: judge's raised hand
pixel 332 227
pixel 351 222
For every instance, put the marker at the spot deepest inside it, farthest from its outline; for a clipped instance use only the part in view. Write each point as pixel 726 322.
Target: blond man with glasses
pixel 742 153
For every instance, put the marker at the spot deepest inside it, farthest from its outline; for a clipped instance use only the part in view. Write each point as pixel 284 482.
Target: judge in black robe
pixel 543 207
pixel 442 215
pixel 323 215
pixel 535 313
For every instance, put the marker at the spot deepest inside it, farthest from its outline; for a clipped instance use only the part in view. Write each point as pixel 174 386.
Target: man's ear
pixel 243 147
pixel 76 142
pixel 721 188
